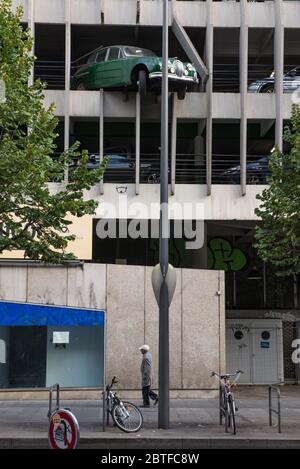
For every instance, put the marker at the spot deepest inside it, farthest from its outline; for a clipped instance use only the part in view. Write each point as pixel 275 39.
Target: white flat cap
pixel 144 347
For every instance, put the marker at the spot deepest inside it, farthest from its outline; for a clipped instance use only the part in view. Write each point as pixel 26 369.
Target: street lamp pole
pixel 164 404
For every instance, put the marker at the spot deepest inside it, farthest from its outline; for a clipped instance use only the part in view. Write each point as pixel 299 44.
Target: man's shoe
pixel 156 401
pixel 148 405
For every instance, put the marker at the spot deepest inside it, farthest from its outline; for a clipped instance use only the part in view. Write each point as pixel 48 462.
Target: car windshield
pixel 136 52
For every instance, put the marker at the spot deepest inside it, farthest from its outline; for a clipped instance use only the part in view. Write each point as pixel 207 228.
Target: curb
pixel 158 443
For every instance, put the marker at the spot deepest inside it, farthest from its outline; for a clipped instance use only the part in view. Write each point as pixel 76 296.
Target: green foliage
pixel 27 135
pixel 278 237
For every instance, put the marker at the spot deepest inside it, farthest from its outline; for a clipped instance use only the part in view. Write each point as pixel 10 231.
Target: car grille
pixel 179 68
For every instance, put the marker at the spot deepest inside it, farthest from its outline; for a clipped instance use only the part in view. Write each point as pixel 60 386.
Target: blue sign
pixel 265 345
pixel 25 314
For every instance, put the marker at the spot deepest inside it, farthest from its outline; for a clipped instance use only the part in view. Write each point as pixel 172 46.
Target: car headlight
pixel 160 66
pixel 172 69
pixel 186 72
pixel 190 67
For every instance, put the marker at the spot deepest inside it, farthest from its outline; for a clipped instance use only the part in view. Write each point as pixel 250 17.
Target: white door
pixel 266 355
pixel 238 352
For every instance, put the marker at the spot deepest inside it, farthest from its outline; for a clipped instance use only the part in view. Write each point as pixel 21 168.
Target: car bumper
pixel 255 88
pixel 174 78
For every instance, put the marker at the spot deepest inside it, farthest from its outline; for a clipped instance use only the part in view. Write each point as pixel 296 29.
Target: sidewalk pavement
pixel 194 423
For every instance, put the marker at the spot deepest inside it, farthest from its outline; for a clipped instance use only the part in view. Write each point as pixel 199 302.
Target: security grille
pixel 289 334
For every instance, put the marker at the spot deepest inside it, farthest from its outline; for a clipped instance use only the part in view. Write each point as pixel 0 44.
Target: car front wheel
pixel 80 86
pixel 254 179
pixel 267 89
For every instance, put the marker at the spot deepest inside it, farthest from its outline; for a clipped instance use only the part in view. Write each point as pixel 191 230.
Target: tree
pixel 32 218
pixel 278 236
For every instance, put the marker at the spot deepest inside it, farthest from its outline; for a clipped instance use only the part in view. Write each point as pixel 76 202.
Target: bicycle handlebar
pixel 113 381
pixel 226 375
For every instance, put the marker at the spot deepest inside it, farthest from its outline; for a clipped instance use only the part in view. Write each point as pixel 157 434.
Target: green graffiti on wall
pixel 221 255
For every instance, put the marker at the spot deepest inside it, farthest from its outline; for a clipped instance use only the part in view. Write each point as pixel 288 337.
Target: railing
pixel 51 72
pixel 274 411
pixel 226 169
pixel 190 169
pixel 226 76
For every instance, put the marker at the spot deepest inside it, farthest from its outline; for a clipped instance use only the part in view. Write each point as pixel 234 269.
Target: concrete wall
pixel 225 203
pixel 194 106
pixel 197 323
pixel 192 13
pixel 197 319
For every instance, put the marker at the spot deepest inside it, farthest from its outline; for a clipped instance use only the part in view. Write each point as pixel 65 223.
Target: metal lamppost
pixel 163 275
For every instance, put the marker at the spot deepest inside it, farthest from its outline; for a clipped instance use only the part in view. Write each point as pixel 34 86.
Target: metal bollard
pixel 51 389
pixel 278 411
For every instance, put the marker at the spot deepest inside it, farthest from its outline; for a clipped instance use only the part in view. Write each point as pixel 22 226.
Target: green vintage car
pixel 119 67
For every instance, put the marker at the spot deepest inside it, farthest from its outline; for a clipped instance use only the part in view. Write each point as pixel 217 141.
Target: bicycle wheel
pixel 226 413
pixel 231 409
pixel 127 417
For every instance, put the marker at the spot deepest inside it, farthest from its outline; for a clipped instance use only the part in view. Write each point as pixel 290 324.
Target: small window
pixel 113 53
pixel 265 335
pixel 238 335
pixel 101 55
pixel 116 159
pixel 92 58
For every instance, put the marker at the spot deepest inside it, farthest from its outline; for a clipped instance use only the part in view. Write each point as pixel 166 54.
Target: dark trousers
pixel 148 394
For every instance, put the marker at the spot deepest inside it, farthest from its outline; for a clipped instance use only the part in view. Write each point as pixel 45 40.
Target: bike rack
pixel 275 411
pixel 51 389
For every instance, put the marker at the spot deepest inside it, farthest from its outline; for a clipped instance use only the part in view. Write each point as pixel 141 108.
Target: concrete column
pixel 199 256
pixel 31 25
pixel 67 80
pixel 209 52
pixel 173 143
pixel 137 141
pixel 199 148
pixel 243 91
pixel 279 67
pixel 101 133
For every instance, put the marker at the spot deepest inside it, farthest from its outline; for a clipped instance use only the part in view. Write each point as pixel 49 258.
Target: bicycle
pixel 227 400
pixel 126 416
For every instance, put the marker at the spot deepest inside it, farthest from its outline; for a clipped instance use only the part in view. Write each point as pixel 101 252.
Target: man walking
pixel 146 374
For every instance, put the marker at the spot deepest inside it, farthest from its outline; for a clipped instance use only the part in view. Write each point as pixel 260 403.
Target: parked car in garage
pixel 121 168
pixel 119 67
pixel 291 82
pixel 256 172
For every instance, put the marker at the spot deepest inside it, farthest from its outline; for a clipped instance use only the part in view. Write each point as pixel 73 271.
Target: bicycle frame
pixel 112 400
pixel 225 392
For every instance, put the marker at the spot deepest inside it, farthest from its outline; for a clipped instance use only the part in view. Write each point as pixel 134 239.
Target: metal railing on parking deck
pixel 51 72
pixel 190 168
pixel 226 169
pixel 226 76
